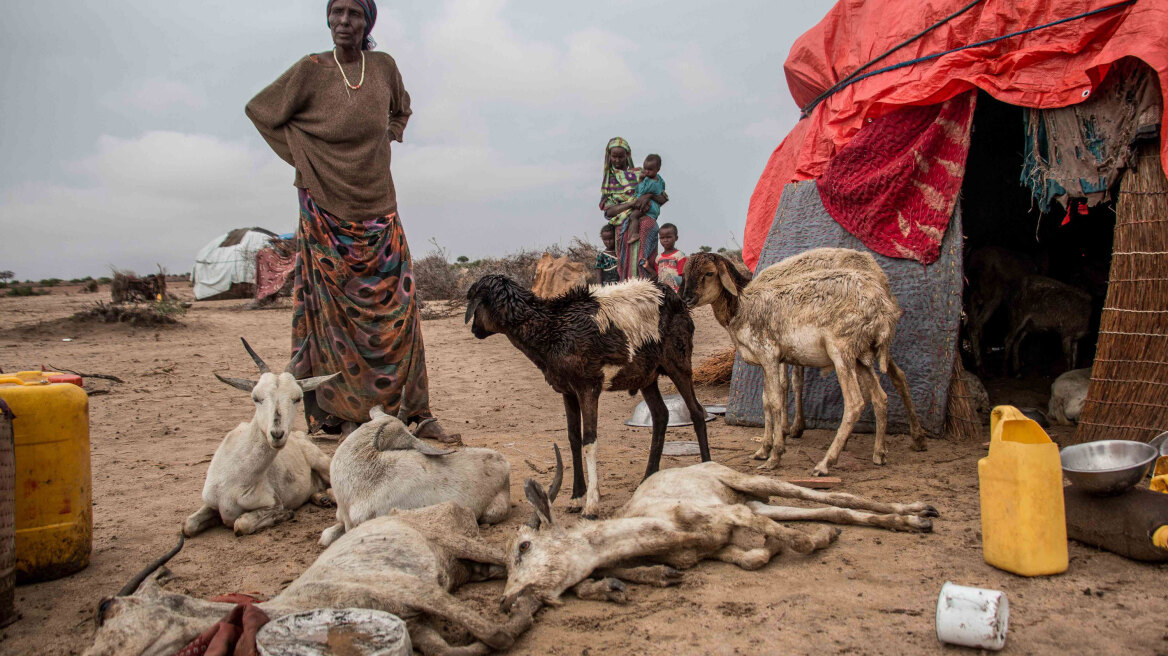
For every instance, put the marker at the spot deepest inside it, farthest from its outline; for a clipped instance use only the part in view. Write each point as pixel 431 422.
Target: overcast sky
pixel 124 140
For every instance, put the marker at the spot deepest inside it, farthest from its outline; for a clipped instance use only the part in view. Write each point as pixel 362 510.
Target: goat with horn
pixel 407 563
pixel 676 518
pixel 263 470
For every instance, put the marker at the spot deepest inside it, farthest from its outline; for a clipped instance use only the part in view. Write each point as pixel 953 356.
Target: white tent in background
pixel 227 263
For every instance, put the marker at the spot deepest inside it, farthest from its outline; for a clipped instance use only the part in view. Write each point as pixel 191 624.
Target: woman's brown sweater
pixel 338 139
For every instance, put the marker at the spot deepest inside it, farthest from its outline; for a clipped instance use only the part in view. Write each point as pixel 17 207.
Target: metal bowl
pixel 1160 443
pixel 1107 466
pixel 678 413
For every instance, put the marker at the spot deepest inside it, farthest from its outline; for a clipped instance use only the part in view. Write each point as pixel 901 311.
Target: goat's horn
pixel 130 587
pixel 258 360
pixel 558 479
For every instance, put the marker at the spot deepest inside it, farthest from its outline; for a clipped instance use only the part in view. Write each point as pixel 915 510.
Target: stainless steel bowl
pixel 1160 443
pixel 1107 466
pixel 678 413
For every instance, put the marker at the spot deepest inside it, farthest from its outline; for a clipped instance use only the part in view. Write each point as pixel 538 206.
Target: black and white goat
pixel 621 336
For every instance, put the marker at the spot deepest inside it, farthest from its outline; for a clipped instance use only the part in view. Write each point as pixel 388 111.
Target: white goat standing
pixel 678 517
pixel 835 318
pixel 382 466
pixel 263 470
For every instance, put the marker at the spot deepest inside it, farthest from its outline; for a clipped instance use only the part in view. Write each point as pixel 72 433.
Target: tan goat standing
pixel 827 308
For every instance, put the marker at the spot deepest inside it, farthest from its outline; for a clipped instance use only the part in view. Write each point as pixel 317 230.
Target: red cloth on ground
pixel 895 184
pixel 1052 67
pixel 233 635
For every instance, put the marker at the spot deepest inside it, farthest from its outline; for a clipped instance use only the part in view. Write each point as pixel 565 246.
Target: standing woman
pixel 332 116
pixel 618 200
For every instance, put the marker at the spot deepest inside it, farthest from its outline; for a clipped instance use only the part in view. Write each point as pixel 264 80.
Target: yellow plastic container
pixel 54 512
pixel 1023 520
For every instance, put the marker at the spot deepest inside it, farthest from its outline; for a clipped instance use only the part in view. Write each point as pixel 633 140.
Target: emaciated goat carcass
pixel 621 336
pixel 676 518
pixel 406 563
pixel 1043 304
pixel 833 318
pixel 382 466
pixel 263 470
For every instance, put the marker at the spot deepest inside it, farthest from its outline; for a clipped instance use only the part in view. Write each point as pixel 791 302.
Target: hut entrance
pixel 1007 239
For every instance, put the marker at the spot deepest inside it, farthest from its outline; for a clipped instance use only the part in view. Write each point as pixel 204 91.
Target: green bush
pixel 26 290
pixel 50 282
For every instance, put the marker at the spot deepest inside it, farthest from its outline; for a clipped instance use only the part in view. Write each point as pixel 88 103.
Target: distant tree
pixel 7 275
pixel 722 249
pixel 705 249
pixel 462 259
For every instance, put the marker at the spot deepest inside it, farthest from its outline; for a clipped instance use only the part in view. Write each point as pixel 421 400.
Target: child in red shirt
pixel 671 262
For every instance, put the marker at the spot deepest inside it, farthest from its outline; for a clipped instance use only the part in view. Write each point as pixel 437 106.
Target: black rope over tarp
pixel 856 75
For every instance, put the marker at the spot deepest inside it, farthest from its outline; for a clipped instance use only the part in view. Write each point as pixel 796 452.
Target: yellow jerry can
pixel 54 511
pixel 1023 521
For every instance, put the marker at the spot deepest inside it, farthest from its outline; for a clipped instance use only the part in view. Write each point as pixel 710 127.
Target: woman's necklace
pixel 348 85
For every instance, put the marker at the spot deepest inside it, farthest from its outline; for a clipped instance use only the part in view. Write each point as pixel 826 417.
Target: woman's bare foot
pixel 429 429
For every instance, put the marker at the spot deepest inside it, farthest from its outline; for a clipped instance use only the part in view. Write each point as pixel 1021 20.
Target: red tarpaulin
pixel 1052 67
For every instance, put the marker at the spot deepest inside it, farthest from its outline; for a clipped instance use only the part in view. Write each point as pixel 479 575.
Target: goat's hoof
pixel 919 445
pixel 820 470
pixel 762 454
pixel 617 592
pixel 929 511
pixel 921 524
pixel 670 576
pixel 575 505
pixel 879 458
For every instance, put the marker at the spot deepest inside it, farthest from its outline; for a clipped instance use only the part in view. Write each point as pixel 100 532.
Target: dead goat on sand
pixel 676 518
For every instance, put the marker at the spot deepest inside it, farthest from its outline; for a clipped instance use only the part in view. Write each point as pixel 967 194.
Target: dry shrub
pixel 438 279
pixel 716 369
pixel 162 313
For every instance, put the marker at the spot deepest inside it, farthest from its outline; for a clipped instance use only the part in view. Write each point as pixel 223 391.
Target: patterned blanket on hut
pixel 895 184
pixel 926 337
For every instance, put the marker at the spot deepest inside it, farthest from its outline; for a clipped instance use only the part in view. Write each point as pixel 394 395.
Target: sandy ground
pixel 874 592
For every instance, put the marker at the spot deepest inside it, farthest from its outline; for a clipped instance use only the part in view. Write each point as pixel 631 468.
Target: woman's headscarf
pixel 618 181
pixel 370 9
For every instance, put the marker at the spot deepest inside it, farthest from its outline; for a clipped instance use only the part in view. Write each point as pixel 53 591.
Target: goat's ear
pixel 238 383
pixel 377 412
pixel 470 309
pixel 726 278
pixel 309 384
pixel 393 436
pixel 538 499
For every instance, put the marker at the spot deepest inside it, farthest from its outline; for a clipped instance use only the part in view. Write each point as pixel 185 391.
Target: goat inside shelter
pixel 621 336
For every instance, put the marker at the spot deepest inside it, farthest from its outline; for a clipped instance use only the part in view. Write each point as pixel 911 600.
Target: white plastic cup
pixel 972 617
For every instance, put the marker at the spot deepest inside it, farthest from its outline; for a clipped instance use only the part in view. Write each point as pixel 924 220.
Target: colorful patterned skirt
pixel 632 246
pixel 355 311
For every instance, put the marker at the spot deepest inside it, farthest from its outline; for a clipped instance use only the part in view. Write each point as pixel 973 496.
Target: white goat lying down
pixel 263 470
pixel 381 466
pixel 406 563
pixel 679 517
